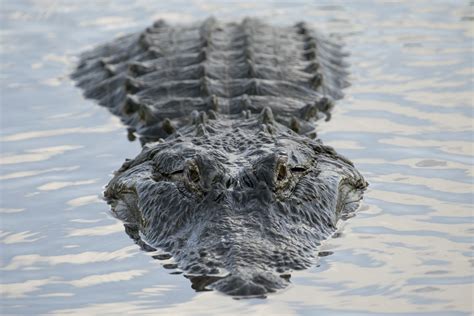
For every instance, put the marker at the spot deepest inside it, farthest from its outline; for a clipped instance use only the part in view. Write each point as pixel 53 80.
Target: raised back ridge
pixel 155 79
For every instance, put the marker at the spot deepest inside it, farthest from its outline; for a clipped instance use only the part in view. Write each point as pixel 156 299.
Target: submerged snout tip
pixel 246 284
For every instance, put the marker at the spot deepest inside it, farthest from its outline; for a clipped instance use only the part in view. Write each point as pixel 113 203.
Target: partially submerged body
pixel 231 181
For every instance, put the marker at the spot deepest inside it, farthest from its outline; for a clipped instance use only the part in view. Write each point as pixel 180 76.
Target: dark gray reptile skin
pixel 232 181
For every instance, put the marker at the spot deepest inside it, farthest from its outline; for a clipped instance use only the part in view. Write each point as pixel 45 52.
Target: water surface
pixel 406 121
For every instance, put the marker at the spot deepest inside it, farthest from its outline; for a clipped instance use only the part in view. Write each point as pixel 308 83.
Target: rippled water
pixel 407 123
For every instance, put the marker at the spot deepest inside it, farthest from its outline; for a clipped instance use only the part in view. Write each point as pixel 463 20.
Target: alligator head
pixel 242 204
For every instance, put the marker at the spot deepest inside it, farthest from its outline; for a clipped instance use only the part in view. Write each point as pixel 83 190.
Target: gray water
pixel 406 121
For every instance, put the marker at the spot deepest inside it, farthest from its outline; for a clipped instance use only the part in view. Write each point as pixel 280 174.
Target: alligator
pixel 232 182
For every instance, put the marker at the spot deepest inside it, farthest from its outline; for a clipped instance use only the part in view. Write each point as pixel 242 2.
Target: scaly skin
pixel 231 182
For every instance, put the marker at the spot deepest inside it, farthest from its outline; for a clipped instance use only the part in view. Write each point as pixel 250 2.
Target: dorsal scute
pixel 167 72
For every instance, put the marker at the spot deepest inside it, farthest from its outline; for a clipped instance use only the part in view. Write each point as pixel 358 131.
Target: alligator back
pixel 157 80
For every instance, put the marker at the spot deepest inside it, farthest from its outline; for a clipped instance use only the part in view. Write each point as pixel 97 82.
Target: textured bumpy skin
pixel 231 182
pixel 155 79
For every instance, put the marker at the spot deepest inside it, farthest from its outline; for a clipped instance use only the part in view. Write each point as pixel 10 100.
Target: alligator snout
pixel 244 254
pixel 250 282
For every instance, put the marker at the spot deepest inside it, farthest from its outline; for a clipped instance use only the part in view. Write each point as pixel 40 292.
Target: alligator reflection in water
pixel 231 182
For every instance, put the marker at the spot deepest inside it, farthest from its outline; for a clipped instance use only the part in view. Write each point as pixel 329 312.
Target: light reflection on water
pixel 406 122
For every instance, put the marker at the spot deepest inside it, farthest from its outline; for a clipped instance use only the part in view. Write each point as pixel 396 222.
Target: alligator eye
pixel 192 178
pixel 192 172
pixel 282 172
pixel 193 175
